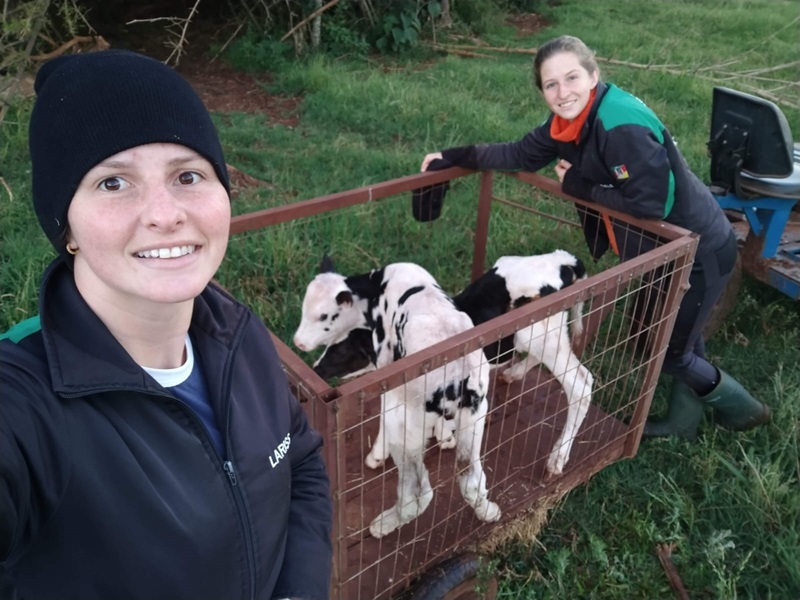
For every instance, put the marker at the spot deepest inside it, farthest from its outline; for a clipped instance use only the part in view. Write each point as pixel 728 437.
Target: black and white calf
pixel 407 311
pixel 511 282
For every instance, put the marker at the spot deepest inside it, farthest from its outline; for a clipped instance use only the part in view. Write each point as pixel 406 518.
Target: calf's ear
pixel 344 297
pixel 326 266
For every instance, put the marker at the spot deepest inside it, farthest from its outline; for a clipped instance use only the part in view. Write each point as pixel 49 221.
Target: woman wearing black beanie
pixel 149 444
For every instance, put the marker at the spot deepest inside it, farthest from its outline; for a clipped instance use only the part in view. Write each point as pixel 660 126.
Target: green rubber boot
pixel 734 407
pixel 683 416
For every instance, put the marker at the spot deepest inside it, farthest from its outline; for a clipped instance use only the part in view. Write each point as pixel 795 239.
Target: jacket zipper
pixel 230 469
pixel 228 466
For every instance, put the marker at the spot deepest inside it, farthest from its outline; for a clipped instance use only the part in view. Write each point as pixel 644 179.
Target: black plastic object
pixel 427 201
pixel 748 134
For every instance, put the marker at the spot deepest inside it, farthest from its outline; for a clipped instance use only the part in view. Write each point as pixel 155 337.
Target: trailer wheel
pixel 456 579
pixel 726 301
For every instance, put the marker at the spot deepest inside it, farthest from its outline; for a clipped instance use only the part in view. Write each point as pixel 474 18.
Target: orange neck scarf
pixel 562 130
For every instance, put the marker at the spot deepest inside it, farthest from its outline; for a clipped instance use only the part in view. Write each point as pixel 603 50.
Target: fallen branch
pixel 769 96
pixel 664 552
pixel 467 47
pixel 309 18
pixel 468 54
pixel 532 51
pixel 773 68
pixel 98 40
pixel 705 72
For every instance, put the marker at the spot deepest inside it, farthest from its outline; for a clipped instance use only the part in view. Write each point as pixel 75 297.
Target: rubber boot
pixel 734 407
pixel 683 416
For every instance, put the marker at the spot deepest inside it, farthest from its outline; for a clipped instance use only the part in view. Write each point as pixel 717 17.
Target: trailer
pixel 274 252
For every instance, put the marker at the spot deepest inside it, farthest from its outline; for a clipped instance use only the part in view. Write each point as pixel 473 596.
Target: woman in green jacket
pixel 613 150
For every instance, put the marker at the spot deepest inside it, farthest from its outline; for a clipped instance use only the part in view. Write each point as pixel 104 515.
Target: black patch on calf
pixel 369 285
pixel 521 301
pixel 345 297
pixel 567 274
pixel 485 298
pixel 408 293
pixel 434 404
pixel 326 266
pixel 461 393
pixel 500 351
pixel 399 327
pixel 352 354
pixel 380 332
pixel 580 269
pixel 546 290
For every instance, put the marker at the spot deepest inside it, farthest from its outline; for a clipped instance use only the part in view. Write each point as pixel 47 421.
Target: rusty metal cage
pixel 629 310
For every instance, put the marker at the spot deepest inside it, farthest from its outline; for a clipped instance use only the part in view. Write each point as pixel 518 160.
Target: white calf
pixel 407 311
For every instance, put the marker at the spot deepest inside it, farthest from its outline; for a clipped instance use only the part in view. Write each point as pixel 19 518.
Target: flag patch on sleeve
pixel 620 172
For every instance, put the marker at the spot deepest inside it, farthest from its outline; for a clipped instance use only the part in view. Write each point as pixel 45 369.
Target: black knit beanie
pixel 92 106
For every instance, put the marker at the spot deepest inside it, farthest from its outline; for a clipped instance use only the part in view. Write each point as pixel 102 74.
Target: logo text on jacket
pixel 280 451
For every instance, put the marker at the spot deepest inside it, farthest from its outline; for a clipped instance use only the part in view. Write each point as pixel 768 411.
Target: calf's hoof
pixel 510 376
pixel 555 465
pixel 385 523
pixel 373 462
pixel 448 443
pixel 488 511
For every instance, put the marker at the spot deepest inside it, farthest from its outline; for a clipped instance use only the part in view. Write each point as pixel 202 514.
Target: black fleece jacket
pixel 110 486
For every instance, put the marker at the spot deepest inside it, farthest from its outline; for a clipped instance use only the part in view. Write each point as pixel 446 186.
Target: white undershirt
pixel 168 378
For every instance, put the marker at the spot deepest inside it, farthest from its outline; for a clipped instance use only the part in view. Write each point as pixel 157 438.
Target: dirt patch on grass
pixel 226 90
pixel 528 23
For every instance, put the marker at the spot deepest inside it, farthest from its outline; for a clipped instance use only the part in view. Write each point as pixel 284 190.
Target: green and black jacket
pixel 625 160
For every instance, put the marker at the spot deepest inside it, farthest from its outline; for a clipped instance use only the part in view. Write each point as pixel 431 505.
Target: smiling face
pixel 151 225
pixel 566 84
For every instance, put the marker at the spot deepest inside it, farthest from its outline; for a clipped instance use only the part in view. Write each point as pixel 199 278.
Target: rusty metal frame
pixel 329 408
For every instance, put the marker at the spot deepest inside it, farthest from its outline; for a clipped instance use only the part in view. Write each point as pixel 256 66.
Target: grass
pixel 730 502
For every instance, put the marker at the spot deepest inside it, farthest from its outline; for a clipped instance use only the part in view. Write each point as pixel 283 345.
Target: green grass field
pixel 730 503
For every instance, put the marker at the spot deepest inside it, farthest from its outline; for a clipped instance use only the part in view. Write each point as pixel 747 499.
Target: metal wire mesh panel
pixel 414 477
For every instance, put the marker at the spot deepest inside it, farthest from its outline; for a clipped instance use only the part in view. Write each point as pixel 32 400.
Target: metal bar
pixel 362 195
pixel 298 368
pixel 552 186
pixel 675 293
pixel 534 211
pixel 482 225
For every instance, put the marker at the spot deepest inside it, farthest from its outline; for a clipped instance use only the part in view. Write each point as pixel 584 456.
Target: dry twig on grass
pixel 8 189
pixel 664 552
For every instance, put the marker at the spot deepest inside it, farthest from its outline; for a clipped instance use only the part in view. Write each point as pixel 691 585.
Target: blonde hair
pixel 564 43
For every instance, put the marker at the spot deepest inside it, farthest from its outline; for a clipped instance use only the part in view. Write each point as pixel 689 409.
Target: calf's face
pixel 329 312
